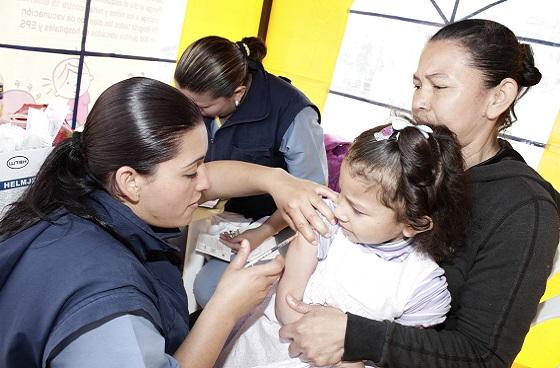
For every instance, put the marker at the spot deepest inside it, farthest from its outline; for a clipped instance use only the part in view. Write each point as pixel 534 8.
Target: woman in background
pixel 252 116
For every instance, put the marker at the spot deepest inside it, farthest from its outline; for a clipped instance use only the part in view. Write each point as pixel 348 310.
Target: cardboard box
pixel 17 172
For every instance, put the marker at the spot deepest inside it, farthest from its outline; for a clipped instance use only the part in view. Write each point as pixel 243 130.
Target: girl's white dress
pixel 383 282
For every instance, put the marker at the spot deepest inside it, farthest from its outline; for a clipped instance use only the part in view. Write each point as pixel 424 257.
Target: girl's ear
pixel 409 231
pixel 504 95
pixel 127 183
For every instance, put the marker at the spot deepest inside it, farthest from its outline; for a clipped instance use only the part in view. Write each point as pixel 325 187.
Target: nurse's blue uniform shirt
pixel 62 279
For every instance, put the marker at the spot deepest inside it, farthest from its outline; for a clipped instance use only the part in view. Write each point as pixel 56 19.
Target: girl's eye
pixel 439 87
pixel 416 86
pixel 192 176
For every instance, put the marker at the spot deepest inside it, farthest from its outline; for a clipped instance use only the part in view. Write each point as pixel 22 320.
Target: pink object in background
pixel 14 99
pixel 336 150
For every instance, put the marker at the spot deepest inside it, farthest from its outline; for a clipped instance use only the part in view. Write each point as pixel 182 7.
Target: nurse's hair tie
pixel 244 48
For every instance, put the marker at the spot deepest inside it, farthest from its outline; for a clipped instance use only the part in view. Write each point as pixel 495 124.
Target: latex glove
pixel 318 336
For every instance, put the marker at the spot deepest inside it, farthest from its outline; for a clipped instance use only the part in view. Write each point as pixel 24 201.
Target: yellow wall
pixel 549 167
pixel 232 19
pixel 540 349
pixel 304 38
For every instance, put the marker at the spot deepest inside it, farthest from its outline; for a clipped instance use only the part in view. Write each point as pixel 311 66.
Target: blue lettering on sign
pixel 16 183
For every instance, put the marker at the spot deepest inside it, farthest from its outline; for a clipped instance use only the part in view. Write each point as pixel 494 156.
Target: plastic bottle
pixel 1 96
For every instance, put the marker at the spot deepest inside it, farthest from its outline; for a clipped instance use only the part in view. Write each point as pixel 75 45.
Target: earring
pixel 236 103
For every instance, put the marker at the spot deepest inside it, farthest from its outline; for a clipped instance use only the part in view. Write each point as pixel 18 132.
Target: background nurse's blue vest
pixel 254 132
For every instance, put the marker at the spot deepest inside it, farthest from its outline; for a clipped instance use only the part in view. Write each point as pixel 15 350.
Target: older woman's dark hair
pixel 496 52
pixel 139 122
pixel 418 177
pixel 216 65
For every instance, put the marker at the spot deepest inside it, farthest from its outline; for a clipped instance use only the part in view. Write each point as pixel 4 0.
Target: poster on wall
pixel 50 47
pixel 382 44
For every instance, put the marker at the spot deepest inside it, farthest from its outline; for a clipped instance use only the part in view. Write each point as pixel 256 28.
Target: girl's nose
pixel 340 213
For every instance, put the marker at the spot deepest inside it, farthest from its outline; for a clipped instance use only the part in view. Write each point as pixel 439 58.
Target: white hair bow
pixel 398 123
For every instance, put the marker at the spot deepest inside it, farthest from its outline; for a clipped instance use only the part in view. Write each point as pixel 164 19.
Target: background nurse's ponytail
pixel 255 46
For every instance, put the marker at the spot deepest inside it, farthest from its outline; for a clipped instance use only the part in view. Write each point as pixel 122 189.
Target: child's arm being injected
pixel 301 261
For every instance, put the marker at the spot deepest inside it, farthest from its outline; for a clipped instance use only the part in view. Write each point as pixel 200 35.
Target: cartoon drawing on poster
pixel 64 80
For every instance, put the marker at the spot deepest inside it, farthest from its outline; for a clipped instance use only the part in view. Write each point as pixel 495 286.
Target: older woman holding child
pixel 470 75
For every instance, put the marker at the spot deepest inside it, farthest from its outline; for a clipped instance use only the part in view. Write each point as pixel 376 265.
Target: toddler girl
pixel 401 208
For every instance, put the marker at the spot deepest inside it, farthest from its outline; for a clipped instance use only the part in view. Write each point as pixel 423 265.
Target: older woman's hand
pixel 318 336
pixel 299 200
